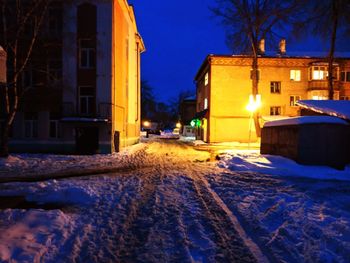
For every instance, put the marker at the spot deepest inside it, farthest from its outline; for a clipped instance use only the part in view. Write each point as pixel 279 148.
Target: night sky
pixel 178 35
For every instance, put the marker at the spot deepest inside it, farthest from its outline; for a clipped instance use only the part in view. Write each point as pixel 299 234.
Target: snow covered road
pixel 175 206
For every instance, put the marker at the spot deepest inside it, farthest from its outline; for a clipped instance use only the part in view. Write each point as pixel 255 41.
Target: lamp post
pixel 253 105
pixel 147 125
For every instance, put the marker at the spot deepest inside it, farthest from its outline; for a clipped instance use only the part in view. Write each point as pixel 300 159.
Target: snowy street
pixel 175 205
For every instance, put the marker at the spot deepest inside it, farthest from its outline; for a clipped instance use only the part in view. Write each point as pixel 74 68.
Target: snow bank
pixel 253 161
pixel 35 233
pixel 44 164
pixel 73 195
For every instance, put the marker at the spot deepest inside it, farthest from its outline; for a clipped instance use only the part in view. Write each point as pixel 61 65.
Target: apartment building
pixel 224 87
pixel 83 81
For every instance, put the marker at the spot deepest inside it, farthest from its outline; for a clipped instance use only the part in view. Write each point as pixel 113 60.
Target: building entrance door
pixel 86 140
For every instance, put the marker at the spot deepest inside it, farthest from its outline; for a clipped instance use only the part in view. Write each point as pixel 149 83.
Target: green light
pixel 195 123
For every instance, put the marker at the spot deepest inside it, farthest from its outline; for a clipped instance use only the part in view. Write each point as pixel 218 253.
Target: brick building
pixel 224 86
pixel 83 79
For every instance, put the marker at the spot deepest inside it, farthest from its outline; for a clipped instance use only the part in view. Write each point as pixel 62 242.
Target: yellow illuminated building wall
pixel 224 81
pixel 126 50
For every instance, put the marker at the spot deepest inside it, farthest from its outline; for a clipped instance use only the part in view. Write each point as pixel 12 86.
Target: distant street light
pixel 178 125
pixel 146 124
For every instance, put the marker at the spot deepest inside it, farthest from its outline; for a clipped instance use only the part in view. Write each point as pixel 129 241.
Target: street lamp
pixel 146 124
pixel 253 105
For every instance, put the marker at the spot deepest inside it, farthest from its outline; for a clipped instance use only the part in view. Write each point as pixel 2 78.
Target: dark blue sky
pixel 178 36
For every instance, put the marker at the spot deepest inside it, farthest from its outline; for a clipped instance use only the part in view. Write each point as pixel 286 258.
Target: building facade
pixel 224 86
pixel 83 79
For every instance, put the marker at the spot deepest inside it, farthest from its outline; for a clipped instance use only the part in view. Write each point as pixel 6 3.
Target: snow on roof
pixel 305 120
pixel 338 108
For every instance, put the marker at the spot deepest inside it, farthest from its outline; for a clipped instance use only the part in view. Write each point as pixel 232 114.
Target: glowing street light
pixel 146 124
pixel 178 125
pixel 254 104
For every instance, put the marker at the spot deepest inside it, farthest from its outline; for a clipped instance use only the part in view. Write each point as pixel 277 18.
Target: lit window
pixel 319 73
pixel 319 97
pixel 275 110
pixel 205 103
pixel 87 56
pixel 275 87
pixel 206 79
pixel 295 75
pixel 86 100
pixel 293 99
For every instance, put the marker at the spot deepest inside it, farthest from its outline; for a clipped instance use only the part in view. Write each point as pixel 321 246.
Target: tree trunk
pixel 331 51
pixel 255 84
pixel 4 148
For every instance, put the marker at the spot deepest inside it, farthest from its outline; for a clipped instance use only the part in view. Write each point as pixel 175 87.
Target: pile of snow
pixel 43 164
pixel 34 234
pixel 253 161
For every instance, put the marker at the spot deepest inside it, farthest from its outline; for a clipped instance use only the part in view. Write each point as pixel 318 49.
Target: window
pixel 54 69
pixel 31 125
pixel 275 110
pixel 54 25
pixel 275 87
pixel 206 79
pixel 319 73
pixel 27 78
pixel 345 76
pixel 86 100
pixel 53 128
pixel 87 56
pixel 293 99
pixel 344 97
pixel 295 75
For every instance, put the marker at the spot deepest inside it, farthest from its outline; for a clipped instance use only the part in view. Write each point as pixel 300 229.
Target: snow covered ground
pixel 174 205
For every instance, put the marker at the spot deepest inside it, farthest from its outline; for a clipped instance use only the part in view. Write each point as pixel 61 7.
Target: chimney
pixel 282 47
pixel 262 46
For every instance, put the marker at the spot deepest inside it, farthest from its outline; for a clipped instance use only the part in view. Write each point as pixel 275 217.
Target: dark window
pixel 54 24
pixel 348 76
pixel 342 76
pixel 54 70
pixel 86 100
pixel 31 125
pixel 275 87
pixel 27 78
pixel 87 56
pixel 275 110
pixel 293 99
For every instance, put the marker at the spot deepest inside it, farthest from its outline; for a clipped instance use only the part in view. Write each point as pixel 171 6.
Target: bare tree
pixel 20 25
pixel 247 23
pixel 325 18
